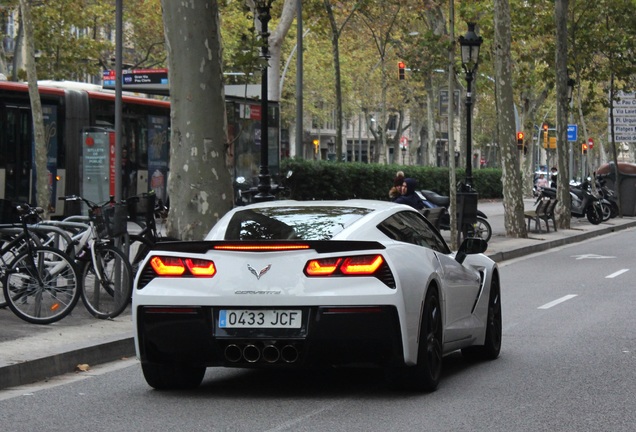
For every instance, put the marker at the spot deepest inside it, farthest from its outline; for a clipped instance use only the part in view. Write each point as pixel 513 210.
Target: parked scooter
pixel 583 203
pixel 481 228
pixel 610 200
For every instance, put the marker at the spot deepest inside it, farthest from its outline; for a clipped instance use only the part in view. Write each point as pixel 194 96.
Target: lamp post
pixel 470 44
pixel 263 8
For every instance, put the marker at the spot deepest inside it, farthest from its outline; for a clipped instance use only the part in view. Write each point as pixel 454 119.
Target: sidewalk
pixel 31 353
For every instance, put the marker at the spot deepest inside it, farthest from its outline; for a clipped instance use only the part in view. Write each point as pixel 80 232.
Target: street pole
pixel 469 135
pixel 299 80
pixel 263 8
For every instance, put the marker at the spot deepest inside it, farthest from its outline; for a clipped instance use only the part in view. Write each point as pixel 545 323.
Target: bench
pixel 543 212
pixel 550 214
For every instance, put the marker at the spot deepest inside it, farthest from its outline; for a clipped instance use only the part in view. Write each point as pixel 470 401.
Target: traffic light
pixel 584 148
pixel 316 145
pixel 520 140
pixel 545 127
pixel 401 67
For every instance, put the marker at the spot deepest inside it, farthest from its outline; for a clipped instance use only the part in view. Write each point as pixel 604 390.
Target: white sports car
pixel 290 284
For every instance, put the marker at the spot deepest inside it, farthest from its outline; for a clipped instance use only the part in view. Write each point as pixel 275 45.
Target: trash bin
pixel 627 184
pixel 466 210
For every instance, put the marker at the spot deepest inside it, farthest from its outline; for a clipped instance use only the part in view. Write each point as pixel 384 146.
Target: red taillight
pixel 364 265
pixel 167 266
pixel 174 266
pixel 322 267
pixel 199 267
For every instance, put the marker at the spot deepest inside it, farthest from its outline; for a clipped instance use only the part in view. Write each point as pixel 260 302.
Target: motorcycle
pixel 610 203
pixel 583 203
pixel 481 228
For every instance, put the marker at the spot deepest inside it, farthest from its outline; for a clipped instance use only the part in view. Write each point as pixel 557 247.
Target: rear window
pixel 292 223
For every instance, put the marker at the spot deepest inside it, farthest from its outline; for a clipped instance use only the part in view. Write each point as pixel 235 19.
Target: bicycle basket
pixel 142 207
pixel 111 220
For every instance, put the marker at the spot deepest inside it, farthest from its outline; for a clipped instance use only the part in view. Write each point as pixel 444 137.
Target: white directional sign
pixel 624 118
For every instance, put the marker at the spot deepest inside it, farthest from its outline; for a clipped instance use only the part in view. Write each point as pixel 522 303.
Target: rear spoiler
pixel 320 246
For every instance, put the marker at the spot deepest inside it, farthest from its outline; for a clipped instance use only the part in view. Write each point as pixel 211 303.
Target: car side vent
pixel 386 276
pixel 147 274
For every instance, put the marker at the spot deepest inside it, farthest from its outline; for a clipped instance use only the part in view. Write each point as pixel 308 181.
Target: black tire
pixel 109 297
pixel 42 287
pixel 425 375
pixel 481 229
pixel 594 213
pixel 492 344
pixel 172 376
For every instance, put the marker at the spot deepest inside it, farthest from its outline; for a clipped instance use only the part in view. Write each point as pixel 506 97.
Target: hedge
pixel 323 180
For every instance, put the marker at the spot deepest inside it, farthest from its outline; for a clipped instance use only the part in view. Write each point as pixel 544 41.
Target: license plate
pixel 262 318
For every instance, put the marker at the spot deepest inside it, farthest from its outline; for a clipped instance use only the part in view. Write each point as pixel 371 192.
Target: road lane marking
pixel 557 301
pixel 592 256
pixel 618 273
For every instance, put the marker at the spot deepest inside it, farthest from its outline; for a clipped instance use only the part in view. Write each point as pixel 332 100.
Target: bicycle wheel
pixel 108 296
pixel 42 286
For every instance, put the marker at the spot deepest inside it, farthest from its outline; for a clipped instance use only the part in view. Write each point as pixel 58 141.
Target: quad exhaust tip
pixel 252 353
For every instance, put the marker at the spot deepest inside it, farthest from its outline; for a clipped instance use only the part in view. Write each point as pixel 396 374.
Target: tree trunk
pixel 43 191
pixel 511 178
pixel 335 37
pixel 563 215
pixel 200 183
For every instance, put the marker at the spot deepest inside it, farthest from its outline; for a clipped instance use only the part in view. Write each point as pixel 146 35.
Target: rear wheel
pixel 425 375
pixel 480 229
pixel 172 376
pixel 492 344
pixel 41 286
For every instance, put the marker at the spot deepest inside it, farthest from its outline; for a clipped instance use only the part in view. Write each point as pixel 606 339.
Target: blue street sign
pixel 573 132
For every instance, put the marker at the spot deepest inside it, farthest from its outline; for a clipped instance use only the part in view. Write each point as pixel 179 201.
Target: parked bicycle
pixel 106 274
pixel 41 284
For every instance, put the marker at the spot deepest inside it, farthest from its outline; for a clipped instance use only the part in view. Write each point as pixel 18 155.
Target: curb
pixel 545 245
pixel 58 364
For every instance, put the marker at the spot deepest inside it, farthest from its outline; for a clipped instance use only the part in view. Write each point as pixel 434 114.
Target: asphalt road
pixel 567 364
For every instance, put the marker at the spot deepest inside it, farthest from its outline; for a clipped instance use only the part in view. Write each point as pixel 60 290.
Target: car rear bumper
pixel 336 335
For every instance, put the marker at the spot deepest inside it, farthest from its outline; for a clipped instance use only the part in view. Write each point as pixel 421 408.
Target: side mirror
pixel 471 246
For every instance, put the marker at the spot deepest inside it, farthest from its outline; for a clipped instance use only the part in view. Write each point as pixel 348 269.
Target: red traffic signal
pixel 401 68
pixel 545 127
pixel 584 148
pixel 520 140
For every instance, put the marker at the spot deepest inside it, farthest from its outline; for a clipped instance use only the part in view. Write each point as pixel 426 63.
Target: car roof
pixel 352 203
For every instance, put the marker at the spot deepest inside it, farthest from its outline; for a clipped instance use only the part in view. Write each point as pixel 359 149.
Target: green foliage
pixel 324 180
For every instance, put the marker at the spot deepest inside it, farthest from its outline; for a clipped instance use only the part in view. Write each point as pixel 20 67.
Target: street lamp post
pixel 470 44
pixel 263 8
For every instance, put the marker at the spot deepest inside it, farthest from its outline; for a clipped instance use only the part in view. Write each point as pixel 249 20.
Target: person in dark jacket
pixel 409 197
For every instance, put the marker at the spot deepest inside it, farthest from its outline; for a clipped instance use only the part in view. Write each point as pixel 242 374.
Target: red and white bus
pixel 79 121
